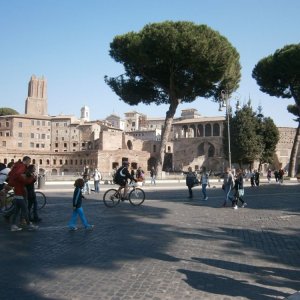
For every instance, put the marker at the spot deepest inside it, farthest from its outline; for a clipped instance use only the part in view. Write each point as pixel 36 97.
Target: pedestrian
pixel 227 185
pixel 18 180
pixel 77 207
pixel 191 180
pixel 239 189
pixel 269 175
pixel 256 178
pixel 153 175
pixel 252 178
pixel 276 175
pixel 4 170
pixel 140 175
pixel 132 173
pixel 31 196
pixel 86 178
pixel 97 177
pixel 204 181
pixel 5 189
pixel 280 175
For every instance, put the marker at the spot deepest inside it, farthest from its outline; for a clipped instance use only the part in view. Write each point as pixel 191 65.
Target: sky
pixel 68 42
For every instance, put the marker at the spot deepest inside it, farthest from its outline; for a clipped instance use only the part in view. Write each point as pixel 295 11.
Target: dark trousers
pixel 32 205
pixel 190 191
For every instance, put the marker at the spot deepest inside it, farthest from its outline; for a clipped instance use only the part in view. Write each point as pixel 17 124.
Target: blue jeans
pixel 227 193
pixel 78 212
pixel 20 206
pixel 86 188
pixel 204 185
pixel 97 186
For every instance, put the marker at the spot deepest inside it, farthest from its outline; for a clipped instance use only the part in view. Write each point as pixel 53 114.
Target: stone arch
pixel 152 162
pixel 129 145
pixel 201 149
pixel 211 150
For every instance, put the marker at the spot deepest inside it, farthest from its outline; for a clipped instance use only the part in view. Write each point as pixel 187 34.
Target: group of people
pixel 230 183
pixel 20 176
pixel 139 175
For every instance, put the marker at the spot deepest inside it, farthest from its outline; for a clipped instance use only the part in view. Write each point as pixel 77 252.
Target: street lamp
pixel 226 103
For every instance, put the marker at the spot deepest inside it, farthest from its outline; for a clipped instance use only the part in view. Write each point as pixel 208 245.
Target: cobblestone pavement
pixel 169 248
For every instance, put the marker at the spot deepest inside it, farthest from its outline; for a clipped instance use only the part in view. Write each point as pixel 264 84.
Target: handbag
pixel 196 181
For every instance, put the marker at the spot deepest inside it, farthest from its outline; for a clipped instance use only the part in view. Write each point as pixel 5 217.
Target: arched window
pixel 200 130
pixel 207 130
pixel 185 131
pixel 216 129
pixel 192 131
pixel 41 161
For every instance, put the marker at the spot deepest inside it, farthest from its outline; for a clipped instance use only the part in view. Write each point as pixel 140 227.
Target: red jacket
pixel 18 179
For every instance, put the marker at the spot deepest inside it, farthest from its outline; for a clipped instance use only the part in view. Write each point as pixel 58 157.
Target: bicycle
pixel 112 197
pixel 9 200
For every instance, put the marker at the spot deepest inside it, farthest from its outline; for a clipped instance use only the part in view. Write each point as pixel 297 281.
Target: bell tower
pixel 37 102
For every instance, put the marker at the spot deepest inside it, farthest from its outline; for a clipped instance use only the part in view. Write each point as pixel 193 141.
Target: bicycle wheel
pixel 136 196
pixel 8 203
pixel 40 199
pixel 111 198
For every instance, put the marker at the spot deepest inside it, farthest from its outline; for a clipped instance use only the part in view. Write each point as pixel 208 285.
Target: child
pixel 77 208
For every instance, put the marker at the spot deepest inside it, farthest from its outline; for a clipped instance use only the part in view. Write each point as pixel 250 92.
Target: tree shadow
pixel 224 285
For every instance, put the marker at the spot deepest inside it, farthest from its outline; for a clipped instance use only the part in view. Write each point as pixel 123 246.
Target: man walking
pixel 153 175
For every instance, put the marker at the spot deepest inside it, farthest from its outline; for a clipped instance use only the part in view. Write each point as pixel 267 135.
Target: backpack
pixel 118 177
pixel 17 169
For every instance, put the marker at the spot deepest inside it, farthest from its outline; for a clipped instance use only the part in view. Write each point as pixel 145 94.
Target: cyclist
pixel 121 178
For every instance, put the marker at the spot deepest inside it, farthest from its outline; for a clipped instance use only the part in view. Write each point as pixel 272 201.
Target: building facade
pixel 66 145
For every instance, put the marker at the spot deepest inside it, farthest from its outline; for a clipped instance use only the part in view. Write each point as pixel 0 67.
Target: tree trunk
pixel 166 132
pixel 294 152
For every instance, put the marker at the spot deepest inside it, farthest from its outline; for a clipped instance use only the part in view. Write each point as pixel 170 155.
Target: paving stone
pixel 169 248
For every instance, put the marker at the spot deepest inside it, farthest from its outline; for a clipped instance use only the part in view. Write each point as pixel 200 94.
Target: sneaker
pixel 235 207
pixel 73 228
pixel 89 227
pixel 15 228
pixel 205 199
pixel 244 205
pixel 32 227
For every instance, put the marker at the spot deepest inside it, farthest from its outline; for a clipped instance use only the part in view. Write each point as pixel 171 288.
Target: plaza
pixel 169 248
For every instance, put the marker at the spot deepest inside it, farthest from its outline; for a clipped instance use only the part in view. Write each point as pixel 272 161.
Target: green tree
pixel 279 75
pixel 270 137
pixel 247 145
pixel 171 63
pixel 5 111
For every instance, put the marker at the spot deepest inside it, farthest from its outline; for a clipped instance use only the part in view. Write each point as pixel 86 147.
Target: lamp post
pixel 225 103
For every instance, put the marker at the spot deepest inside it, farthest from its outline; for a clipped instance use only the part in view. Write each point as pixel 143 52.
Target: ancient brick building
pixel 66 145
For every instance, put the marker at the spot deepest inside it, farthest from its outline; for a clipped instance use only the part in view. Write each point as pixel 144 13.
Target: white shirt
pixel 97 176
pixel 3 175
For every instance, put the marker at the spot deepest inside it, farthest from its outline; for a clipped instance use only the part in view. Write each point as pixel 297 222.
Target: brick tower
pixel 37 102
